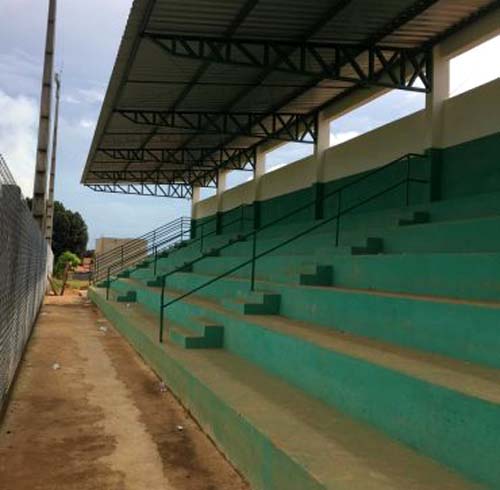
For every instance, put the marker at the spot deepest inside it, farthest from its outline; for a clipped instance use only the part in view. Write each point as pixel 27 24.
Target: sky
pixel 88 36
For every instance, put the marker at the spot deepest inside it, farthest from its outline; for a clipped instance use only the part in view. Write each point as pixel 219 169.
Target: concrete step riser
pixel 467 276
pixel 442 327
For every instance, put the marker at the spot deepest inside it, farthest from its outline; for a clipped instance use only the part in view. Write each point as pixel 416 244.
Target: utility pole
pixel 40 187
pixel 49 217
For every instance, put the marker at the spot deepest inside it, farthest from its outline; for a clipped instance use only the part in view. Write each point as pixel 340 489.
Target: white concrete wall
pixel 467 117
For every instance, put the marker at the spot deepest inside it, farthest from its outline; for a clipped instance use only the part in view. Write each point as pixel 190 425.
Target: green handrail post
pixel 156 259
pixel 337 230
pixel 162 303
pixel 408 161
pixel 108 283
pixel 254 252
pixel 202 235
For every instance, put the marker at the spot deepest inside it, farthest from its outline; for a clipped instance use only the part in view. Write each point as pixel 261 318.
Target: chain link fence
pixel 25 262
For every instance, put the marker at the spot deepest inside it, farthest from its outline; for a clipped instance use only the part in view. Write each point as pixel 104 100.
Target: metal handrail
pixel 133 251
pixel 151 234
pixel 109 271
pixel 340 212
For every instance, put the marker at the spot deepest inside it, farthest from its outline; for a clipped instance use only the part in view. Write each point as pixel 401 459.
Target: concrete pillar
pixel 221 188
pixel 40 186
pixel 322 136
pixel 259 171
pixel 49 217
pixel 321 145
pixel 435 100
pixel 195 199
pixel 435 119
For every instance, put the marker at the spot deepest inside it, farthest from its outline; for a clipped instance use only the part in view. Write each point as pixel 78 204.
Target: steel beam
pixel 280 125
pixel 157 176
pixel 180 191
pixel 232 158
pixel 385 66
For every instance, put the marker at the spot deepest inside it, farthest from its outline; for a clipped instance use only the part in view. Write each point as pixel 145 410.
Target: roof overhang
pixel 198 85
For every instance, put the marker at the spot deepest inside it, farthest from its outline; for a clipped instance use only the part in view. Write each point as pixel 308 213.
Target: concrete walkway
pixel 86 413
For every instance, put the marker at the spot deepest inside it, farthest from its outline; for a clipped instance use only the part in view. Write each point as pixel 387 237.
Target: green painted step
pixel 418 218
pixel 439 325
pixel 373 246
pixel 211 338
pixel 439 410
pixel 465 330
pixel 254 303
pixel 124 274
pixel 214 252
pixel 322 276
pixel 466 275
pixel 128 297
pixel 303 443
pixel 155 283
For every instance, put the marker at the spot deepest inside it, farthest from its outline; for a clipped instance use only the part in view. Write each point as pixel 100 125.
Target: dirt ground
pixel 86 413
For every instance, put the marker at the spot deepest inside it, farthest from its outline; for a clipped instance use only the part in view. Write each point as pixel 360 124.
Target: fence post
pixel 108 281
pixel 182 229
pixel 337 231
pixel 162 302
pixel 254 250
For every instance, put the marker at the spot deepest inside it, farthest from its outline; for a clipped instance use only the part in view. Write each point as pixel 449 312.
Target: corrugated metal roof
pixel 147 78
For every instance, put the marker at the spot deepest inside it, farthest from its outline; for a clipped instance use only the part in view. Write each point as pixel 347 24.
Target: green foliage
pixel 70 231
pixel 66 258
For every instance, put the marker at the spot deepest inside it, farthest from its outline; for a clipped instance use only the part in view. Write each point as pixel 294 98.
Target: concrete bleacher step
pixel 322 275
pixel 154 283
pixel 441 325
pixel 254 303
pixel 373 246
pixel 435 324
pixel 213 252
pixel 303 442
pixel 418 218
pixel 465 275
pixel 128 297
pixel 212 337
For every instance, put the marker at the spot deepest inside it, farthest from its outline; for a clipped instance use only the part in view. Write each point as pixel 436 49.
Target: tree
pixel 66 262
pixel 70 231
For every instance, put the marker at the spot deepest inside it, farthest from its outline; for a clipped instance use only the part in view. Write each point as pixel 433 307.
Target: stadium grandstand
pixel 333 323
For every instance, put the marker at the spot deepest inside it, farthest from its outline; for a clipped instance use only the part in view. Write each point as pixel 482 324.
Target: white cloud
pixel 70 99
pixel 20 71
pixel 18 137
pixel 92 96
pixel 87 124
